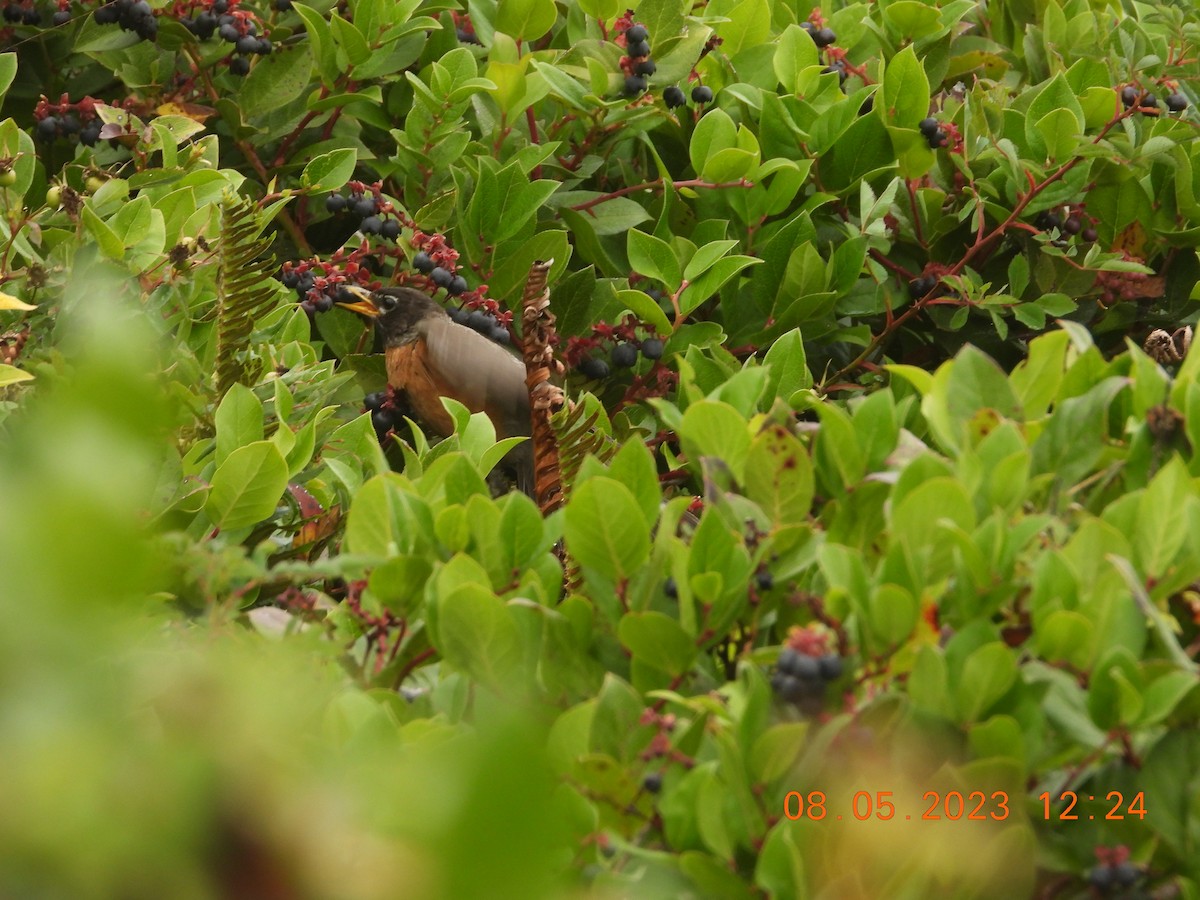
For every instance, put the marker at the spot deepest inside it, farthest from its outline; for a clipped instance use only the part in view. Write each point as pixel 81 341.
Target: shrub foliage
pixel 878 571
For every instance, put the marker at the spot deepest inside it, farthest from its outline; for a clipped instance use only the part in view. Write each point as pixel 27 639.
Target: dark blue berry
pixel 638 49
pixel 674 97
pixel 702 94
pixel 652 783
pixel 375 401
pixel 365 206
pixel 371 225
pixel 634 85
pixel 382 421
pixel 824 37
pixel 919 287
pixel 500 335
pixel 831 666
pixel 624 356
pixel 335 203
pixel 47 129
pixel 422 262
pixel 636 33
pixel 239 65
pixel 441 277
pixel 457 285
pixel 390 230
pixel 593 368
pixel 645 67
pixel 652 348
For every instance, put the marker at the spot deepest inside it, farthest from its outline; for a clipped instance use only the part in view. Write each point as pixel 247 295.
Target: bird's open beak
pixel 364 305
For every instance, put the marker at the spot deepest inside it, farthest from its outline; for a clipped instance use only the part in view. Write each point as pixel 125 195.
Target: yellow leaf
pixel 193 111
pixel 11 375
pixel 7 301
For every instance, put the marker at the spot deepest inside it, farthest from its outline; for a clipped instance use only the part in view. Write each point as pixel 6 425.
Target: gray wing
pixel 484 375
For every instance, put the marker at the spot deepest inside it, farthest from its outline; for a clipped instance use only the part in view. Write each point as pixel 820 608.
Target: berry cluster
pixel 487 319
pixel 387 412
pixel 321 284
pixel 922 285
pixel 464 29
pixel 23 14
pixel 1147 104
pixel 805 667
pixel 822 36
pixel 366 202
pixel 933 132
pixel 1113 870
pixel 72 121
pixel 132 15
pixel 674 96
pixel 234 26
pixel 636 63
pixel 441 273
pixel 1115 286
pixel 838 68
pixel 582 353
pixel 1072 224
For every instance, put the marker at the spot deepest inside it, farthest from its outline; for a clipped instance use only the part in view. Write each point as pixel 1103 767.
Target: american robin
pixel 429 356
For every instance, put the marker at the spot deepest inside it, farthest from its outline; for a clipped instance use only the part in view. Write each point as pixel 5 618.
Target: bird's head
pixel 396 311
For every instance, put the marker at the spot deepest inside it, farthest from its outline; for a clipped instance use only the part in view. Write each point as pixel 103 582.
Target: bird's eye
pixel 388 303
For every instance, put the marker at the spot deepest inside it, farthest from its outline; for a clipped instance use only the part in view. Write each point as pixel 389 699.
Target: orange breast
pixel 408 370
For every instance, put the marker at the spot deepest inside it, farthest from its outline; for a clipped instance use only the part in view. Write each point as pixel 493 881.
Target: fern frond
pixel 244 290
pixel 545 398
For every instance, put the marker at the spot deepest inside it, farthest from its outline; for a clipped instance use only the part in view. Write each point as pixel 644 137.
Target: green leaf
pixel 657 641
pixel 246 487
pixel 893 614
pixel 788 366
pixel 350 40
pixel 713 279
pixel 1060 130
pixel 779 476
pixel 795 52
pixel 320 36
pixel 8 71
pixel 654 258
pixel 911 19
pixel 904 100
pixel 110 244
pixel 646 309
pixel 239 421
pixel 275 80
pixel 525 20
pixel 715 132
pixel 1056 95
pixel 962 387
pixel 331 170
pixel 477 633
pixel 591 538
pixel 987 675
pixel 716 430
